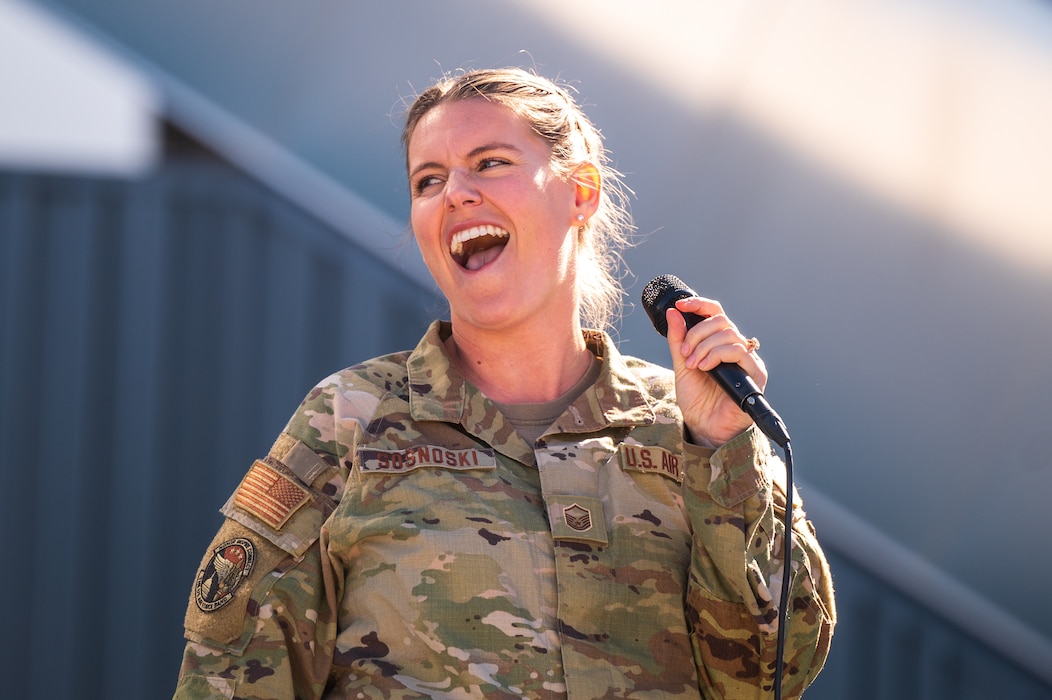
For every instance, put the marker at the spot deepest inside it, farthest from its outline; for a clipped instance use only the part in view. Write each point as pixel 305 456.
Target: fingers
pixel 712 329
pixel 697 307
pixel 711 341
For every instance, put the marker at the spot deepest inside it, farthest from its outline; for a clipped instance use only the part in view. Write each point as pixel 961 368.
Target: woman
pixel 513 508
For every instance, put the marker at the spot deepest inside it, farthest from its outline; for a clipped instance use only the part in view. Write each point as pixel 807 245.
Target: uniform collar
pixel 437 391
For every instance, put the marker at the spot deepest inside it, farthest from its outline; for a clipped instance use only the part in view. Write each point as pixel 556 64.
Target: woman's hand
pixel 709 414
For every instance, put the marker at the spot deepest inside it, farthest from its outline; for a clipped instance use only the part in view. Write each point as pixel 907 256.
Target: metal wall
pixel 155 337
pixel 888 647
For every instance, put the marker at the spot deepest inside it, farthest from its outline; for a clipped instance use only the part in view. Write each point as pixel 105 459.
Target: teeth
pixel 456 246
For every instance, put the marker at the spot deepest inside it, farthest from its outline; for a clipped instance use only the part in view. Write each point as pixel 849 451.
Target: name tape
pixel 650 459
pixel 421 456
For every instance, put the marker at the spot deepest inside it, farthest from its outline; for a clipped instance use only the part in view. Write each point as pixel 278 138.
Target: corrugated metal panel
pixel 887 647
pixel 156 336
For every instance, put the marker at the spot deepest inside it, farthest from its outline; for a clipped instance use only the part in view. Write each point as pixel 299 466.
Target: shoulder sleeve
pixel 735 498
pixel 261 620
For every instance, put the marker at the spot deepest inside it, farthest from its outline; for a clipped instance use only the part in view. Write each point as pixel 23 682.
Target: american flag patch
pixel 269 495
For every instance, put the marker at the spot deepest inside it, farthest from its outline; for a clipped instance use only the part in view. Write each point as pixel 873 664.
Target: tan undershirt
pixel 532 419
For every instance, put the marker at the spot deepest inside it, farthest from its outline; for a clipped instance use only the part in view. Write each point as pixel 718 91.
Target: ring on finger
pixel 752 344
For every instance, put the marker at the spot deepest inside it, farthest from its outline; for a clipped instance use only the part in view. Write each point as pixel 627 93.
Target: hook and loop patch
pixel 230 565
pixel 575 517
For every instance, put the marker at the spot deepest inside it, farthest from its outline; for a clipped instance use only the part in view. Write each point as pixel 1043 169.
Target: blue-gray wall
pixel 156 336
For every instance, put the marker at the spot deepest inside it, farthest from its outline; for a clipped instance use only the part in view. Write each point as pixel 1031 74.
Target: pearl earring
pixel 580 217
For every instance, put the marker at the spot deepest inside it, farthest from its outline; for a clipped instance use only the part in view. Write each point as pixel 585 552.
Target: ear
pixel 586 182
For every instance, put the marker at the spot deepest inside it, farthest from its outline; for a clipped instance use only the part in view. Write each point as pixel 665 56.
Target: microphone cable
pixel 787 568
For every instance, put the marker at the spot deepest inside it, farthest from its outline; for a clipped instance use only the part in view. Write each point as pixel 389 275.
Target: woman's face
pixel 495 224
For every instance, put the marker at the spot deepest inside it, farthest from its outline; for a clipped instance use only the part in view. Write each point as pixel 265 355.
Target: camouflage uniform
pixel 401 540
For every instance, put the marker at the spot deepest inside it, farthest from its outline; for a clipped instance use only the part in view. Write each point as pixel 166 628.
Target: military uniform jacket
pixel 401 540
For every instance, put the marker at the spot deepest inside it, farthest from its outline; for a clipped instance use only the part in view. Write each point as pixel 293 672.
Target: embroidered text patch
pixel 649 459
pixel 418 456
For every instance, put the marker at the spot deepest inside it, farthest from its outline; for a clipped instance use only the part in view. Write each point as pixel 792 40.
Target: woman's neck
pixel 521 367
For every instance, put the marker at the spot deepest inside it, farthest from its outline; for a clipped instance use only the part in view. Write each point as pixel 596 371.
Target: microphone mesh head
pixel 659 295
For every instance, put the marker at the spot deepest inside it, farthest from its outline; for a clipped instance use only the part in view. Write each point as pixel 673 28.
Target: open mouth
pixel 475 247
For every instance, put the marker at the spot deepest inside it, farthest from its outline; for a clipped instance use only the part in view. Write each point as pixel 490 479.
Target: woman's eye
pixel 423 183
pixel 488 163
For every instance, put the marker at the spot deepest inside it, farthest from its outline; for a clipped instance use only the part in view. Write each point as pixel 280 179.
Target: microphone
pixel 661 294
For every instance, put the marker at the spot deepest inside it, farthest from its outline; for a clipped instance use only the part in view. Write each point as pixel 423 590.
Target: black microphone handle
pixel 741 387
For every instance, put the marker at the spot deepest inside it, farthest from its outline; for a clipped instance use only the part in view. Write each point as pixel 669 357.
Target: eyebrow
pixel 473 153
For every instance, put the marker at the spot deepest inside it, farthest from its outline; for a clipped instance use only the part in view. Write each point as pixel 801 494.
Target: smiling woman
pixel 497 225
pixel 551 113
pixel 514 508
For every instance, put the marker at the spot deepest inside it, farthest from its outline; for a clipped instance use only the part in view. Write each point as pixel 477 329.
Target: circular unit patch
pixel 230 565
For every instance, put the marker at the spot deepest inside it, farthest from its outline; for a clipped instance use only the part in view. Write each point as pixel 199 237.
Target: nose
pixel 461 190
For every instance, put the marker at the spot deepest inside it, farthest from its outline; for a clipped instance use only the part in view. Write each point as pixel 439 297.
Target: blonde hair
pixel 552 113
